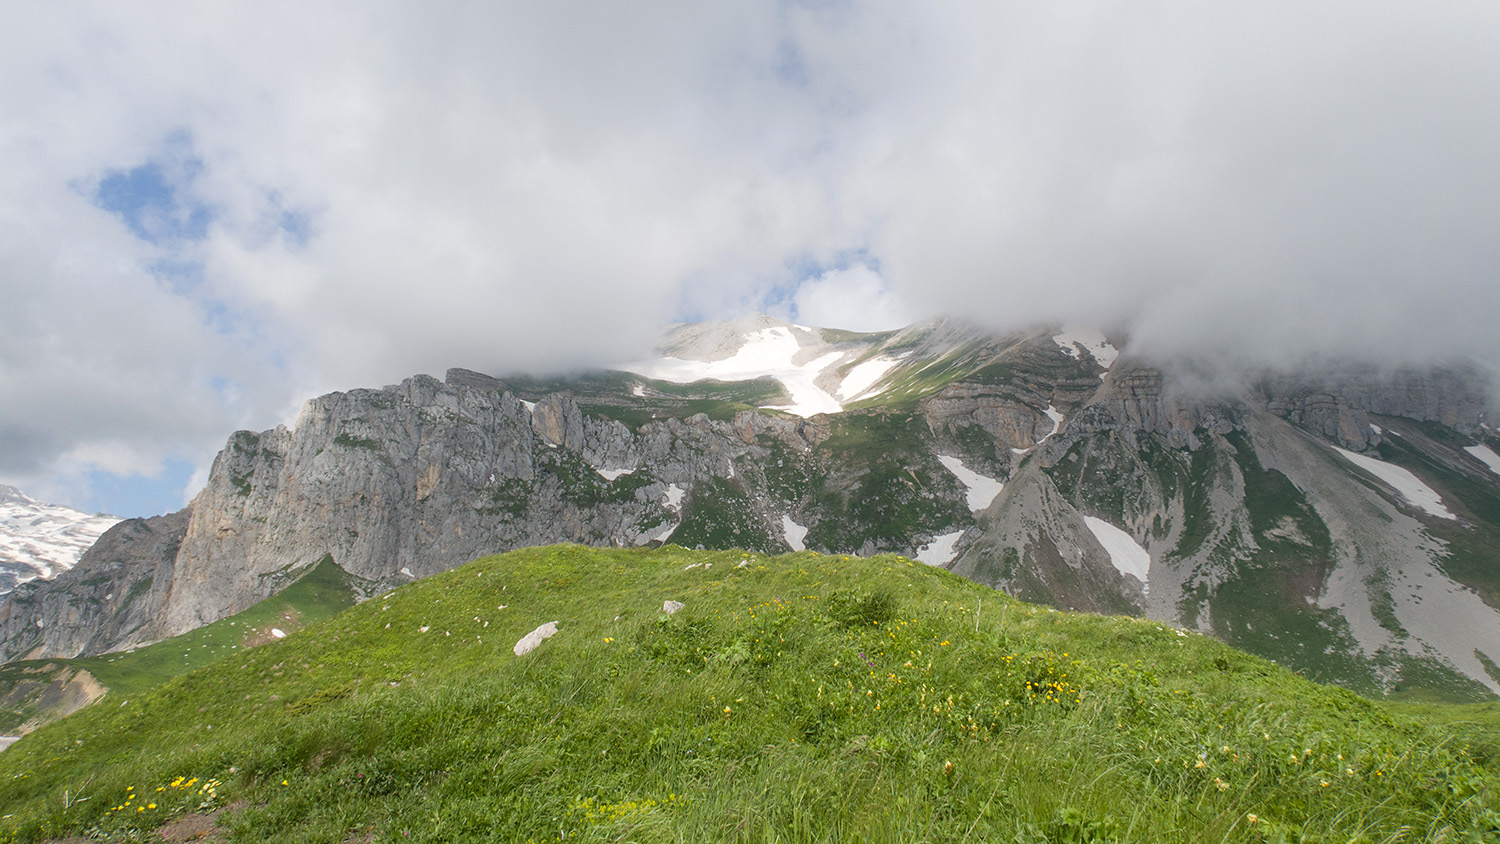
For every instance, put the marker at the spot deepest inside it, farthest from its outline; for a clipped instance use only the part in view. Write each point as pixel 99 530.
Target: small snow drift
pixel 794 533
pixel 1489 458
pixel 528 643
pixel 1407 485
pixel 939 552
pixel 1125 554
pixel 982 489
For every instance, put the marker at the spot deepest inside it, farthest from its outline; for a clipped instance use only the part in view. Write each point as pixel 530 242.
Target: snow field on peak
pixel 981 489
pixel 1489 458
pixel 1125 554
pixel 768 352
pixel 1093 341
pixel 1407 485
pixel 44 540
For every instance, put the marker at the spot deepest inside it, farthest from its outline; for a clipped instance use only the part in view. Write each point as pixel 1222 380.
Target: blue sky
pixel 210 213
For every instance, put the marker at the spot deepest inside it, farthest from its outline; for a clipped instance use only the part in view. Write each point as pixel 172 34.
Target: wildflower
pixel 1252 817
pixel 1222 785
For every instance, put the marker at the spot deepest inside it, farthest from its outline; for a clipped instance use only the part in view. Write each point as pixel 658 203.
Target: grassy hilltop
pixel 793 698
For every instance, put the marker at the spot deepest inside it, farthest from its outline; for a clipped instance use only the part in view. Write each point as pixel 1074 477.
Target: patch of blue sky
pixel 137 496
pixel 156 200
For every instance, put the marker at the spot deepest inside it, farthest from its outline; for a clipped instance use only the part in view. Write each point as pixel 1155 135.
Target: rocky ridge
pixel 1256 529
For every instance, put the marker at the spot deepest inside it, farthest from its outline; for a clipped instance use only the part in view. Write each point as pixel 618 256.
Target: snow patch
pixel 1057 419
pixel 529 405
pixel 662 535
pixel 769 352
pixel 1489 458
pixel 1125 554
pixel 794 533
pixel 1092 341
pixel 861 378
pixel 1407 485
pixel 672 498
pixel 1376 428
pixel 982 489
pixel 611 474
pixel 638 391
pixel 939 552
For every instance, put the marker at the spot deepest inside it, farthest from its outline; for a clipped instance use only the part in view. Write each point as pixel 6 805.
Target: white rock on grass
pixel 529 642
pixel 670 607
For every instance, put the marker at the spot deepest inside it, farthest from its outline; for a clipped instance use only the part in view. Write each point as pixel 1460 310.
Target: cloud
pixel 211 212
pixel 854 299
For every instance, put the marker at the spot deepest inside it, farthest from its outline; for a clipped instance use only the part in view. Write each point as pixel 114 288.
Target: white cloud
pixel 513 185
pixel 854 299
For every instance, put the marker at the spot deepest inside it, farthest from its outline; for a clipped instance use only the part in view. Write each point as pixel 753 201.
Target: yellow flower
pixel 1252 817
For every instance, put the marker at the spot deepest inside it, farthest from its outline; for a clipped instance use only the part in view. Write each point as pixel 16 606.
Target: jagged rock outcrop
pixel 1058 471
pixel 112 599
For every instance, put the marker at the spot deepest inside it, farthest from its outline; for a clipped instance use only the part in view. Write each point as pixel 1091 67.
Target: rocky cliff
pixel 1037 463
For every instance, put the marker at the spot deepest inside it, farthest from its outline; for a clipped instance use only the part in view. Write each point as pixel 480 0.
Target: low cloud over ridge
pixel 351 193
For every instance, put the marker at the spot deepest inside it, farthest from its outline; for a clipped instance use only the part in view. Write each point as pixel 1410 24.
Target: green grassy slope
pixel 794 698
pixel 319 594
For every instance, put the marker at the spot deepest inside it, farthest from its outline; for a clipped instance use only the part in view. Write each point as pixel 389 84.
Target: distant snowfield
pixel 794 533
pixel 1125 553
pixel 982 490
pixel 768 352
pixel 1071 338
pixel 44 540
pixel 1416 493
pixel 939 552
pixel 1489 458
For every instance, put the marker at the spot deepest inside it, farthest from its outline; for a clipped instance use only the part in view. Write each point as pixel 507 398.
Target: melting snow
pixel 1416 493
pixel 1490 458
pixel 1071 338
pixel 794 533
pixel 765 353
pixel 611 474
pixel 1125 553
pixel 1057 420
pixel 862 377
pixel 939 552
pixel 673 497
pixel 982 490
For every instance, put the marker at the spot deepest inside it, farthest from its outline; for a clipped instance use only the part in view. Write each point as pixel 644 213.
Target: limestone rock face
pixel 112 599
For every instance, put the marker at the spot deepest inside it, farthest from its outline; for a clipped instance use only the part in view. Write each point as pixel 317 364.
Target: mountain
pixel 788 698
pixel 1343 520
pixel 41 540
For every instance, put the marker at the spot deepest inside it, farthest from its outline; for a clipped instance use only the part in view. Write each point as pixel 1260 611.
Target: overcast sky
pixel 210 212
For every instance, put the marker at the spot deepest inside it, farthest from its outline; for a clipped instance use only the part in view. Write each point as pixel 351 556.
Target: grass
pixel 794 698
pixel 321 593
pixel 887 486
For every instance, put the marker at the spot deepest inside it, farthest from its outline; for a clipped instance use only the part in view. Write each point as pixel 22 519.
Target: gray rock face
pixel 418 478
pixel 112 599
